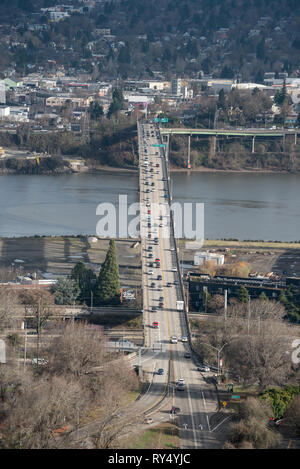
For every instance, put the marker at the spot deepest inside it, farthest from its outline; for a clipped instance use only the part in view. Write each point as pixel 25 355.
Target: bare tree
pixel 8 306
pixel 252 431
pixel 255 342
pixel 38 308
pixel 37 410
pixel 76 350
pixel 292 415
pixel 261 357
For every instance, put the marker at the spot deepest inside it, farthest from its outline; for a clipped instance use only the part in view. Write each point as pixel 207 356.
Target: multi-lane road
pixel 196 398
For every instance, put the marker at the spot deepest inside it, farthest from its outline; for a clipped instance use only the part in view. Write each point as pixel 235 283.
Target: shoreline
pixel 113 169
pixel 212 243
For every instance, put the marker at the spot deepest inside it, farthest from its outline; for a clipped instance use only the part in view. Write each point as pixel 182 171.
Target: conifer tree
pixel 107 291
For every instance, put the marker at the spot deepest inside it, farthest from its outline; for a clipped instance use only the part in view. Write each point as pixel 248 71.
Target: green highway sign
pixel 163 119
pixel 235 397
pixel 159 145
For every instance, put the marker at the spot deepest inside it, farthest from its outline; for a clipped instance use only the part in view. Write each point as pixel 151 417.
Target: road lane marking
pixel 206 411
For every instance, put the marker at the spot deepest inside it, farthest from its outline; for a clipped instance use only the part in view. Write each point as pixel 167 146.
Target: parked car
pixel 148 420
pixel 203 368
pixel 160 371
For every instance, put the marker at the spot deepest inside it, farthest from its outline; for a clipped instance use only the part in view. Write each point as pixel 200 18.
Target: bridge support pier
pixel 189 153
pixel 212 147
pixel 168 147
pixel 253 144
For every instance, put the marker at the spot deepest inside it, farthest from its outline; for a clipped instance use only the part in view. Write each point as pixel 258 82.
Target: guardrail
pixel 172 233
pixel 145 305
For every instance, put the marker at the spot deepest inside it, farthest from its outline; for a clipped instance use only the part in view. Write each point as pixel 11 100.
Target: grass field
pixel 251 244
pixel 164 436
pixel 220 243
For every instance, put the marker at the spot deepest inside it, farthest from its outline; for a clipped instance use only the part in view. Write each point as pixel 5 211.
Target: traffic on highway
pixel 164 317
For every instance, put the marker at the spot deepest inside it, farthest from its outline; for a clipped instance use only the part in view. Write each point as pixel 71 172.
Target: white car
pixel 174 269
pixel 184 339
pixel 203 368
pixel 174 339
pixel 151 272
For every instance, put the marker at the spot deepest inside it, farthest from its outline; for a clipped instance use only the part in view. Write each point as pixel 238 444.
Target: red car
pixel 148 211
pixel 155 324
pixel 157 260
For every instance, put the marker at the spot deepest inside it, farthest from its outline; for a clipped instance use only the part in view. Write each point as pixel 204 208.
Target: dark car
pixel 169 284
pixel 154 308
pixel 187 355
pixel 160 371
pixel 161 305
pixel 152 285
pixel 159 277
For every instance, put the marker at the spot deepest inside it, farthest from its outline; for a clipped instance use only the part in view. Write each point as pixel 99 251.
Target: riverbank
pixel 55 256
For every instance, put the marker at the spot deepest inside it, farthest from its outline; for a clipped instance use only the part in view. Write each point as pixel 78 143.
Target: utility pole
pixel 38 330
pixel 25 350
pixel 225 307
pixel 249 312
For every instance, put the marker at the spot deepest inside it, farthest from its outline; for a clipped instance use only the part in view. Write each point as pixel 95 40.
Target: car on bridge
pixel 180 386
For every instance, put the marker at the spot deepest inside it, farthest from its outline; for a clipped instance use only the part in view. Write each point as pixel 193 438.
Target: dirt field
pixel 279 258
pixel 57 256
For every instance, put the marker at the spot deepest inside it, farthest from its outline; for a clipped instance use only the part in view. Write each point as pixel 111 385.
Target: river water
pixel 236 205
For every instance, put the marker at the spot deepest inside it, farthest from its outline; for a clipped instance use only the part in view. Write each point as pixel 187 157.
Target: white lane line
pixel 192 417
pixel 226 418
pixel 205 411
pixel 154 365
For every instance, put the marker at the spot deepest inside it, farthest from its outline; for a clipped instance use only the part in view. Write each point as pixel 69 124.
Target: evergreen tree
pixel 95 110
pixel 86 280
pixel 263 296
pixel 243 295
pixel 117 103
pixel 107 291
pixel 281 96
pixel 66 291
